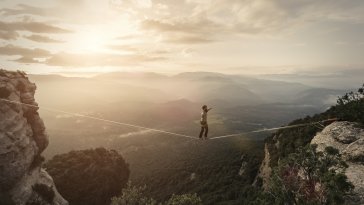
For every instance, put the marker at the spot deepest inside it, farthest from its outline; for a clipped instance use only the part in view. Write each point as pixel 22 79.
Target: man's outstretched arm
pixel 209 109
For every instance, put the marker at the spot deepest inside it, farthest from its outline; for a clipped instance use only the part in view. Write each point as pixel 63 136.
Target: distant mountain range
pixel 215 89
pixel 171 103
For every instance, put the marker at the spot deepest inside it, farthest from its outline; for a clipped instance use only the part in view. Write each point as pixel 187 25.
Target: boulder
pixel 348 138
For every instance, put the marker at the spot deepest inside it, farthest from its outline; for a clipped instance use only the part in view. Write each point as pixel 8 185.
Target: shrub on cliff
pixel 310 177
pixel 133 195
pixel 350 107
pixel 184 199
pixel 89 176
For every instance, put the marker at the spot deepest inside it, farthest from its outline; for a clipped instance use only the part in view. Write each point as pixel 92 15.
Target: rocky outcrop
pixel 244 165
pixel 265 170
pixel 22 140
pixel 348 138
pixel 284 142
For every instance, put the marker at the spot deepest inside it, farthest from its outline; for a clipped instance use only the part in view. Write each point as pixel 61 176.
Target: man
pixel 203 121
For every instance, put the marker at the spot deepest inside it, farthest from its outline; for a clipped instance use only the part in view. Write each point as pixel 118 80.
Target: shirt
pixel 204 116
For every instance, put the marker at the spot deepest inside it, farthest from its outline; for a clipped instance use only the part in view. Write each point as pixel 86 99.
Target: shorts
pixel 203 124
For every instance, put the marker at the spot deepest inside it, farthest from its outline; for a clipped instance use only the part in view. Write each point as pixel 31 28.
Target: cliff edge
pixel 23 139
pixel 348 138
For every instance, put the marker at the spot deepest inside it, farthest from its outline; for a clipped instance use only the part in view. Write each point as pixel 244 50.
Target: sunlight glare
pixel 90 40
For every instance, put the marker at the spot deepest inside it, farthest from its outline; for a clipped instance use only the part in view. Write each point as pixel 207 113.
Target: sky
pixel 310 37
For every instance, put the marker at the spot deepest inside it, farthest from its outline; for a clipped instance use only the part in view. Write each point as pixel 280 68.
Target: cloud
pixel 68 7
pixel 27 60
pixel 35 27
pixel 99 59
pixel 72 3
pixel 27 55
pixel 189 40
pixel 138 49
pixel 9 35
pixel 168 25
pixel 65 59
pixel 136 4
pixel 11 50
pixel 214 17
pixel 128 37
pixel 123 48
pixel 10 30
pixel 23 9
pixel 249 16
pixel 65 11
pixel 184 31
pixel 197 26
pixel 42 39
pixel 202 22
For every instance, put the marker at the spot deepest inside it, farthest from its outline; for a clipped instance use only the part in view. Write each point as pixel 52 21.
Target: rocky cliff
pixel 345 136
pixel 285 142
pixel 23 139
pixel 348 138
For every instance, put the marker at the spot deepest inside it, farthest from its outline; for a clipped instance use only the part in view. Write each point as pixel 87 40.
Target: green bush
pixel 89 177
pixel 184 199
pixel 133 196
pixel 310 177
pixel 351 106
pixel 136 196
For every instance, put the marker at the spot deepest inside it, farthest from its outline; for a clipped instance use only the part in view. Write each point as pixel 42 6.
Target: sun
pixel 90 40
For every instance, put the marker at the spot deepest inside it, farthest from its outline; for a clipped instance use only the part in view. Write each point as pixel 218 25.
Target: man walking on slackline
pixel 203 121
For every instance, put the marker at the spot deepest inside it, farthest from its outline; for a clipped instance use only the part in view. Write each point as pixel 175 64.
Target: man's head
pixel 204 107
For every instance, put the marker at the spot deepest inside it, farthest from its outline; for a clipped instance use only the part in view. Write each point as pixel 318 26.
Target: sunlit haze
pixel 83 37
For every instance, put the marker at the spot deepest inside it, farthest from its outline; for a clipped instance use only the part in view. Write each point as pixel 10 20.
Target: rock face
pixel 243 166
pixel 265 170
pixel 22 140
pixel 348 138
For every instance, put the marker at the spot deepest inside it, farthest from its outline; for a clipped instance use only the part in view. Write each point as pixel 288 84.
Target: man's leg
pixel 206 131
pixel 201 132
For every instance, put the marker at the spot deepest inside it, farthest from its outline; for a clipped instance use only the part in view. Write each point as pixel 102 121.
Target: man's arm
pixel 209 109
